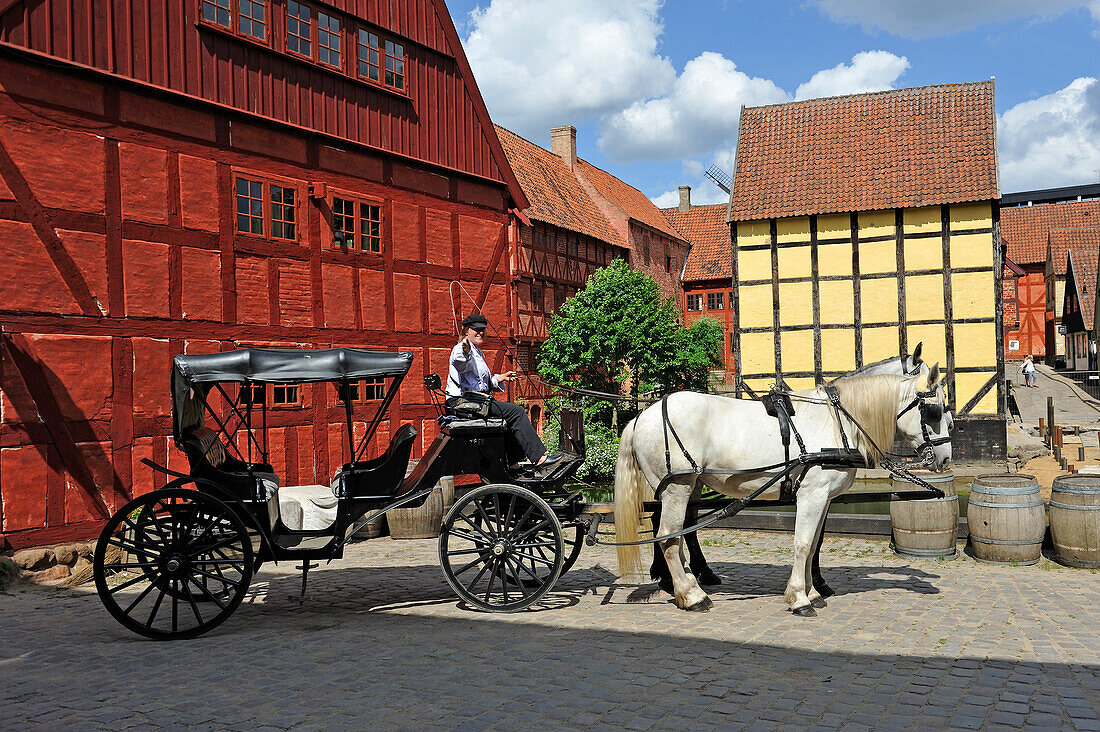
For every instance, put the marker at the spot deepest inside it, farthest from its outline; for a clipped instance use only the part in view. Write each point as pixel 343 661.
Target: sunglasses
pixel 479 331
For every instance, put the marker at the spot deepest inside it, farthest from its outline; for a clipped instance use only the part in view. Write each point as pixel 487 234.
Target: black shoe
pixel 550 460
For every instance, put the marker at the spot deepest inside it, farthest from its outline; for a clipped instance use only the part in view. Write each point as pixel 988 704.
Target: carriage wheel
pixel 573 548
pixel 501 548
pixel 172 564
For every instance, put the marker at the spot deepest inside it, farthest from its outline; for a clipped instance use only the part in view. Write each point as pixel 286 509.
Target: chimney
pixel 685 198
pixel 563 143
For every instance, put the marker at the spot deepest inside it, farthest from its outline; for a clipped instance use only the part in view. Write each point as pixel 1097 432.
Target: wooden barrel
pixel 1075 520
pixel 1007 519
pixel 422 522
pixel 926 528
pixel 372 529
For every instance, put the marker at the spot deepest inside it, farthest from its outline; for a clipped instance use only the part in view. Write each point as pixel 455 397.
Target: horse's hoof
pixel 823 588
pixel 819 602
pixel 806 611
pixel 707 577
pixel 703 606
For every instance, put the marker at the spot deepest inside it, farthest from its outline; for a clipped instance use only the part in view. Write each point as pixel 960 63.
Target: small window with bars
pixel 253 18
pixel 217 12
pixel 285 395
pixel 395 65
pixel 328 39
pixel 299 29
pixel 694 302
pixel 368 55
pixel 282 212
pixel 716 301
pixel 265 208
pixel 357 225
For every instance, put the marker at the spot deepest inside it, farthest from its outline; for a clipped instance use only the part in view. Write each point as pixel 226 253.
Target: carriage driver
pixel 469 372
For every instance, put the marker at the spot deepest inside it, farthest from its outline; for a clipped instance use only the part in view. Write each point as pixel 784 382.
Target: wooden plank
pixel 899 241
pixel 857 309
pixel 973 402
pixel 773 237
pixel 948 305
pixel 816 298
pixel 998 272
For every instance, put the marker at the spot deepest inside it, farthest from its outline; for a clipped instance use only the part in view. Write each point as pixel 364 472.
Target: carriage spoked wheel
pixel 501 547
pixel 173 563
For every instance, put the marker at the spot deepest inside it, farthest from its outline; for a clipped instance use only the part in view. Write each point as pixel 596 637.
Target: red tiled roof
pixel 627 199
pixel 895 149
pixel 555 194
pixel 1062 240
pixel 706 229
pixel 1083 260
pixel 1024 229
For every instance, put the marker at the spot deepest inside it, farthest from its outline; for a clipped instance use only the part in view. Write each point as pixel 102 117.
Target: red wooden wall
pixel 117 214
pixel 163 43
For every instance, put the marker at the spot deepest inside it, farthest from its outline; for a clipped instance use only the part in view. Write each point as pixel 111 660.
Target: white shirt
pixel 469 373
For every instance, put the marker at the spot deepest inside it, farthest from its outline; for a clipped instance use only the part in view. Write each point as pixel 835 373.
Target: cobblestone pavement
pixel 384 644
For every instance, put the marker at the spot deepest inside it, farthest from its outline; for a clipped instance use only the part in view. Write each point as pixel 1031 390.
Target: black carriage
pixel 176 562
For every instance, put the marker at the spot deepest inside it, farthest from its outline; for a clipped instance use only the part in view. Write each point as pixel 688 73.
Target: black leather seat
pixel 475 427
pixel 379 477
pixel 239 477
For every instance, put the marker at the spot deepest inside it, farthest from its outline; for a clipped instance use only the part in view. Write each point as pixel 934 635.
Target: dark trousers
pixel 516 419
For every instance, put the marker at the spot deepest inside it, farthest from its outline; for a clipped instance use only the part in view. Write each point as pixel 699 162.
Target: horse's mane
pixel 873 403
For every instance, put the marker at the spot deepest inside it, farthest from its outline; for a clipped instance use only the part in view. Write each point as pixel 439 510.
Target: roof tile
pixel 555 194
pixel 706 229
pixel 627 199
pixel 1025 229
pixel 1083 259
pixel 905 148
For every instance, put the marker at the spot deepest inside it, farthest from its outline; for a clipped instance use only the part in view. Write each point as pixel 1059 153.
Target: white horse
pixel 905 365
pixel 734 434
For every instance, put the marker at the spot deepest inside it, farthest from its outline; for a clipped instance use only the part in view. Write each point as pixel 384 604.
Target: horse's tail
pixel 630 486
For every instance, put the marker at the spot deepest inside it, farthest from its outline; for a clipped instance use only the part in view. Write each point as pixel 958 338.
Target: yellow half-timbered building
pixel 863 225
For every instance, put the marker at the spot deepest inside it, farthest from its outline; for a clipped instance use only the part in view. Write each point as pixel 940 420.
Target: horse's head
pixel 925 422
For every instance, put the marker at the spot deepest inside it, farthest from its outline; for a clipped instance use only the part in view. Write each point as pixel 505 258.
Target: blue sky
pixel 654 88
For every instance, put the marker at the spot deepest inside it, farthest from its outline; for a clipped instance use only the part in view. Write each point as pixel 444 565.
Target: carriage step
pixel 303 597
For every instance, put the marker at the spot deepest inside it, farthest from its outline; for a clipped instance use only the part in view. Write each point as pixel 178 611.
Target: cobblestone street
pixel 384 644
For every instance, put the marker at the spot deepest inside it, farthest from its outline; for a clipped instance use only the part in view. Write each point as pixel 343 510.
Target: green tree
pixel 620 327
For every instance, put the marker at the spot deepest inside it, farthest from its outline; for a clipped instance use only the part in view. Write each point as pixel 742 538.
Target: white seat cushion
pixel 307 507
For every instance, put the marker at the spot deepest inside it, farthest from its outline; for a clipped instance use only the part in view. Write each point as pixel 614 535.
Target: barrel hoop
pixel 933 500
pixel 1006 542
pixel 1077 492
pixel 972 502
pixel 1056 504
pixel 998 491
pixel 946 552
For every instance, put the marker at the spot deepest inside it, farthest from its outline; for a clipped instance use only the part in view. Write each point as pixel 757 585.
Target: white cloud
pixel 699 114
pixel 869 71
pixel 1053 140
pixel 547 62
pixel 931 18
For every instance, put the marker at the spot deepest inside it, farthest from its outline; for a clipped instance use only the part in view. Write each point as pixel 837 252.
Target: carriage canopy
pixel 269 366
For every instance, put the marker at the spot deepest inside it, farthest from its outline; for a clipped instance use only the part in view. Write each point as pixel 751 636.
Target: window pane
pixel 249 206
pixel 328 39
pixel 252 18
pixel 368 55
pixel 370 227
pixel 395 65
pixel 216 11
pixel 343 222
pixel 299 30
pixel 282 212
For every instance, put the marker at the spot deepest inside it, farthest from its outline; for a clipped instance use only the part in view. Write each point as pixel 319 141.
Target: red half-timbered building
pixel 201 175
pixel 708 272
pixel 1026 221
pixel 580 218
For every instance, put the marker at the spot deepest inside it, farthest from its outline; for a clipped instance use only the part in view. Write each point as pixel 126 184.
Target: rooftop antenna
pixel 719 176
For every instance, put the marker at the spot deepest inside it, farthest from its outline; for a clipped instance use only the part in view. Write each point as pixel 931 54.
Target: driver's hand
pixel 509 376
pixel 466 349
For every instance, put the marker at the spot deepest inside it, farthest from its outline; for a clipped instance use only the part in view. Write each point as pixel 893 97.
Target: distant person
pixel 469 372
pixel 1027 368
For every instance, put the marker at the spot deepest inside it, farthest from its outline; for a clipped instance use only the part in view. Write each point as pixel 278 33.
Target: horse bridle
pixel 929 413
